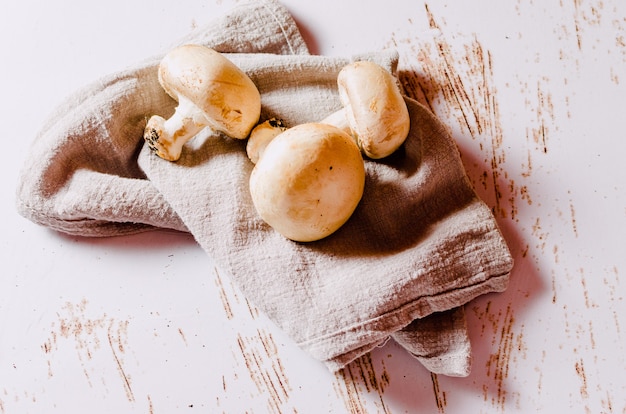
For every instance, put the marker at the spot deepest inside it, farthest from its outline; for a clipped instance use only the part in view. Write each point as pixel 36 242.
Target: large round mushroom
pixel 308 181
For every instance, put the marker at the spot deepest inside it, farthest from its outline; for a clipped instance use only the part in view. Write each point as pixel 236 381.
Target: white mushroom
pixel 211 91
pixel 308 182
pixel 374 111
pixel 261 135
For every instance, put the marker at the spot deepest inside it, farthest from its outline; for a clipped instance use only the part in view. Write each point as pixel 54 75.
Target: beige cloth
pixel 419 246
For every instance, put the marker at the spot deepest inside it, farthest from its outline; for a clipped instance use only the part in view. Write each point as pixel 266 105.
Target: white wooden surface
pixel 533 92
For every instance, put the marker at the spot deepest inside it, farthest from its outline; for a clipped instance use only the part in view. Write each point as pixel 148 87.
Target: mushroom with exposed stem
pixel 211 92
pixel 374 112
pixel 308 181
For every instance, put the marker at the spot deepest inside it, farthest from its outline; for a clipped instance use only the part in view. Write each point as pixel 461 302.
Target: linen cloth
pixel 419 246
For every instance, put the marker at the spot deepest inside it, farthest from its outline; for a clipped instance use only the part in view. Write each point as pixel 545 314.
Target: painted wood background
pixel 532 92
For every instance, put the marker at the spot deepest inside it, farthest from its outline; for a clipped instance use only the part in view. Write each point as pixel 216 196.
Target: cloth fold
pixel 440 342
pixel 419 246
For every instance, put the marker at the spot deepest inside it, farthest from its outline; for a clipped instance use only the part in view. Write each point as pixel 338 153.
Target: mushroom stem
pixel 166 137
pixel 339 119
pixel 265 132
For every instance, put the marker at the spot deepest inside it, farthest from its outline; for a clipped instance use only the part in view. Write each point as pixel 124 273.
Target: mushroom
pixel 308 181
pixel 374 111
pixel 211 91
pixel 261 135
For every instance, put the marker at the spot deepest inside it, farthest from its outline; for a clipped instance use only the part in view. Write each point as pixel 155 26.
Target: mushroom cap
pixel 222 91
pixel 308 182
pixel 375 108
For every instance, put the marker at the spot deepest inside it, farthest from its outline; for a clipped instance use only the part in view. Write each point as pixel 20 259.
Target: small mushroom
pixel 374 111
pixel 261 135
pixel 211 92
pixel 308 182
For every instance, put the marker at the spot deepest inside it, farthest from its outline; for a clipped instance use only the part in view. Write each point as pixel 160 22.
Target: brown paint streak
pixel 544 109
pixel 182 335
pixel 271 351
pixel 590 16
pixel 118 361
pixel 540 372
pixel 456 82
pixel 150 406
pixel 85 332
pixel 578 31
pixel 615 295
pixel 440 397
pixel 592 338
pixel 224 298
pixel 481 314
pixel 431 20
pixel 555 250
pixel 573 215
pixel 538 232
pixel 498 363
pixel 580 370
pixel 265 369
pixel 583 283
pixel 359 379
pixel 352 397
pixel 254 311
pixel 608 403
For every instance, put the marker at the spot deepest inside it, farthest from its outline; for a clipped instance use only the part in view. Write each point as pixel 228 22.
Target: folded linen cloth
pixel 81 175
pixel 419 242
pixel 419 246
pixel 439 341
